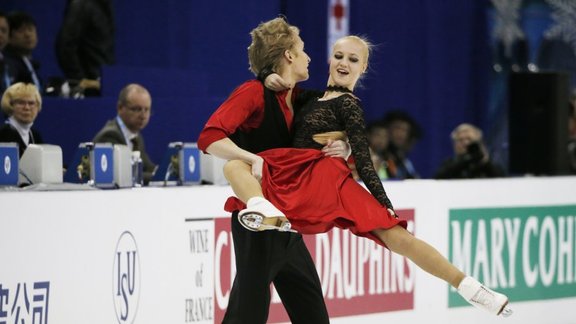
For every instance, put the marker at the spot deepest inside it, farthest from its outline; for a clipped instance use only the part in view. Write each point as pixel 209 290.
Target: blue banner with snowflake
pixel 527 35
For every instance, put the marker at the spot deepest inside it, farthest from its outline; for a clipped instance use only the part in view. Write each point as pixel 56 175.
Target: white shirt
pixel 23 130
pixel 128 134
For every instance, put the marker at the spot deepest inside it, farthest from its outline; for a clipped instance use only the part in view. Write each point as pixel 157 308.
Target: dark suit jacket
pixel 10 134
pixel 111 133
pixel 18 70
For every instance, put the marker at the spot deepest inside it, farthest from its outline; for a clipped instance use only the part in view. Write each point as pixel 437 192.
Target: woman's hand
pixel 275 83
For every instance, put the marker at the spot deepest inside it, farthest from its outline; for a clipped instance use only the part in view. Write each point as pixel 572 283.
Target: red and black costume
pixel 316 192
pixel 257 119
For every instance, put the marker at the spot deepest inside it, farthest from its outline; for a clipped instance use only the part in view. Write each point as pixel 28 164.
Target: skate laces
pixel 483 296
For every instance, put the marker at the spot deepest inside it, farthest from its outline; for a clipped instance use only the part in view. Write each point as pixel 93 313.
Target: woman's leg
pixel 260 214
pixel 400 241
pixel 243 183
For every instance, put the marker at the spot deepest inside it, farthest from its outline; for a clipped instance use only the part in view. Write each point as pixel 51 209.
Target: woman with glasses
pixel 21 104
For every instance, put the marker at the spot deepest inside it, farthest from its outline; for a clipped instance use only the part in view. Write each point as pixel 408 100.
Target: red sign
pixel 358 276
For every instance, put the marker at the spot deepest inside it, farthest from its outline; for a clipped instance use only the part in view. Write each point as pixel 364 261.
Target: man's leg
pixel 299 286
pixel 258 255
pixel 259 214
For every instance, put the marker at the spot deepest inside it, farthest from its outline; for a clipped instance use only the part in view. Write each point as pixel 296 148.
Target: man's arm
pixel 228 150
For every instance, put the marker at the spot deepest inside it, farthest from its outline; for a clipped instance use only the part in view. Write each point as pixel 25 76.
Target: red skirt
pixel 317 193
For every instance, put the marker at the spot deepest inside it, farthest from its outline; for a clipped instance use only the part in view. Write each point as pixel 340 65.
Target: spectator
pixel 4 32
pixel 404 132
pixel 85 43
pixel 134 108
pixel 21 104
pixel 471 158
pixel 379 141
pixel 18 53
pixel 380 166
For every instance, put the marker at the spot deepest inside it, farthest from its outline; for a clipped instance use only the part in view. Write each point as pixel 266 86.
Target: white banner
pixel 165 255
pixel 338 18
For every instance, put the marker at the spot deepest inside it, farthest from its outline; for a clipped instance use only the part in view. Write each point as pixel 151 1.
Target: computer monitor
pixel 41 163
pixel 92 164
pixel 190 165
pixel 179 166
pixel 9 164
pixel 122 166
pixel 213 170
pixel 167 171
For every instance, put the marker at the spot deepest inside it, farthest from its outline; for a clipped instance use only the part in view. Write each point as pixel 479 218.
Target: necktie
pixel 135 146
pixel 5 75
pixel 32 73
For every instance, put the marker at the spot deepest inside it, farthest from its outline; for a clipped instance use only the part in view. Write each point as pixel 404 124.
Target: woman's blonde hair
pixel 18 91
pixel 269 41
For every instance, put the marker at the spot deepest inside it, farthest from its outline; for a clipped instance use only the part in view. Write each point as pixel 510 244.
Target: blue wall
pixel 432 60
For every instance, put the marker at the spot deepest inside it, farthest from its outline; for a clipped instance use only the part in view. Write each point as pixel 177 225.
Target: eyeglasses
pixel 139 109
pixel 21 102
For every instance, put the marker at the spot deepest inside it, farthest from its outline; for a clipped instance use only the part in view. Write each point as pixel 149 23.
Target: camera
pixel 474 152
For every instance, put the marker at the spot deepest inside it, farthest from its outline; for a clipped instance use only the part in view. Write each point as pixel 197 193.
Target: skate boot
pixel 483 297
pixel 261 215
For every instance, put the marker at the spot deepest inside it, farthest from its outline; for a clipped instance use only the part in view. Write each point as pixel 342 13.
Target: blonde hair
pixel 269 41
pixel 477 132
pixel 17 91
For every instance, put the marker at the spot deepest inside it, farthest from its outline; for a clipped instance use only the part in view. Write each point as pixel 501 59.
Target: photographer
pixel 471 159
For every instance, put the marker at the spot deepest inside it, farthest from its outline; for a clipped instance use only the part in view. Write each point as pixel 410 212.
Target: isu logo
pixel 7 165
pixel 126 285
pixel 191 164
pixel 104 162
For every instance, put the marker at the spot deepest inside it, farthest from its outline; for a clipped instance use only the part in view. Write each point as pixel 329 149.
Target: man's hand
pixel 275 83
pixel 257 166
pixel 337 148
pixel 89 84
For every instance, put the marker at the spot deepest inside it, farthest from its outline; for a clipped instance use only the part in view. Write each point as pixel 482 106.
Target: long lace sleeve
pixel 353 117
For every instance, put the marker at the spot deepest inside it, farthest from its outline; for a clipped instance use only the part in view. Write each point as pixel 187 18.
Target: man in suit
pixel 134 108
pixel 4 35
pixel 22 67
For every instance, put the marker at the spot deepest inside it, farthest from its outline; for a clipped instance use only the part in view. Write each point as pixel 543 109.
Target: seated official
pixel 134 109
pixel 21 104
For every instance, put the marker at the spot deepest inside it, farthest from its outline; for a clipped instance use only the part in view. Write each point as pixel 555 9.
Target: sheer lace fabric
pixel 343 113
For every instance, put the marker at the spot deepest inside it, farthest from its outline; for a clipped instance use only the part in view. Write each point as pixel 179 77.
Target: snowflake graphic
pixel 564 26
pixel 507 29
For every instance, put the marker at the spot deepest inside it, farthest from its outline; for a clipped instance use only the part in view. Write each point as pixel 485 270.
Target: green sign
pixel 527 253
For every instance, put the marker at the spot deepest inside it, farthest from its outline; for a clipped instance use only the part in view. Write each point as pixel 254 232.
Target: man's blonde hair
pixel 269 41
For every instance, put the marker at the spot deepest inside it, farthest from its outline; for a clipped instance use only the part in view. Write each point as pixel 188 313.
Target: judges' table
pixel 165 255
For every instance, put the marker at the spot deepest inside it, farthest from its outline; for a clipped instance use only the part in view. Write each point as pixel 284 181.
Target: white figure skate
pixel 261 215
pixel 483 297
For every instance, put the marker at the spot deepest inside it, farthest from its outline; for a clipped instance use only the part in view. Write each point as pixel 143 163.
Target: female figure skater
pixel 316 193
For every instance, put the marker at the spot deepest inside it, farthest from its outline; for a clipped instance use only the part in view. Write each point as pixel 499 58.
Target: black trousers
pixel 281 258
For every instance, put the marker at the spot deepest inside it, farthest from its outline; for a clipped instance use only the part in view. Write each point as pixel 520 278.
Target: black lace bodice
pixel 343 113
